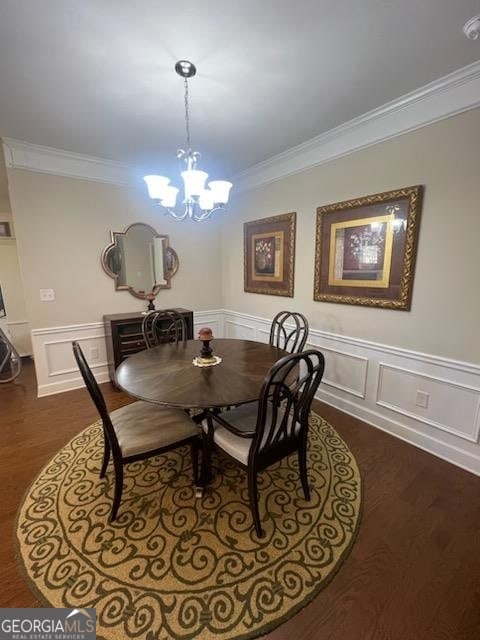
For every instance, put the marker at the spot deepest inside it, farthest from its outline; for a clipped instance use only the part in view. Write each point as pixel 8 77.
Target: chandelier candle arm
pixel 199 202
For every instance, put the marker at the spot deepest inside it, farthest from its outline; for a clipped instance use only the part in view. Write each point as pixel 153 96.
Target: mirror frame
pixel 125 287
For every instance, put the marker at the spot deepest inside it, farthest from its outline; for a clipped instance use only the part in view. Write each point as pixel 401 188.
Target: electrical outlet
pixel 47 295
pixel 93 353
pixel 422 399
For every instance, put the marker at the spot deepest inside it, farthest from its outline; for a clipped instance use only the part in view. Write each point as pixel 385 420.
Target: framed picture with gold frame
pixel 269 255
pixel 366 248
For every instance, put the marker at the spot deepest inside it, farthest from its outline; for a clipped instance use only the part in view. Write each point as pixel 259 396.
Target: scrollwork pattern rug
pixel 173 566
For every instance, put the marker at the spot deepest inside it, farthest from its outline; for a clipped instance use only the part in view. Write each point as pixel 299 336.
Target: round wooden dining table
pixel 166 375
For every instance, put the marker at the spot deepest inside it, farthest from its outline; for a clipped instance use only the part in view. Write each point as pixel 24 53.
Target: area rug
pixel 173 566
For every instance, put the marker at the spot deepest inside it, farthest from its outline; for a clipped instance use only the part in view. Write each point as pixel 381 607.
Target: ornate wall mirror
pixel 140 260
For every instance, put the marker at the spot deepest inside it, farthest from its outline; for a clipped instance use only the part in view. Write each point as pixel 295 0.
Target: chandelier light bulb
pixel 156 186
pixel 199 203
pixel 169 197
pixel 206 199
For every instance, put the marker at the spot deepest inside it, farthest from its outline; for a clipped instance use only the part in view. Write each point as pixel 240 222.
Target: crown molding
pixel 452 94
pixel 35 157
pixel 459 91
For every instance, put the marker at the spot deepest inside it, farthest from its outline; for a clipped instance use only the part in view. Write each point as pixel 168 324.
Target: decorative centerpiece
pixel 206 358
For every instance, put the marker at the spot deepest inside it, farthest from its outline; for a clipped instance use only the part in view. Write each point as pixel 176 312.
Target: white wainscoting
pixel 379 384
pixel 54 362
pixel 376 383
pixel 19 333
pixel 55 365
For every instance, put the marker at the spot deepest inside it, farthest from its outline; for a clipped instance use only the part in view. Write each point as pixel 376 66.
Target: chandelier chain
pixel 187 117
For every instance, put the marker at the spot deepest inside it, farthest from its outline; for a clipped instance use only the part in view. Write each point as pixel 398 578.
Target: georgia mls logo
pixel 84 612
pixel 47 624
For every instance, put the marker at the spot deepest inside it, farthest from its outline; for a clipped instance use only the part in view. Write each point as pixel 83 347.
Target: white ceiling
pixel 96 76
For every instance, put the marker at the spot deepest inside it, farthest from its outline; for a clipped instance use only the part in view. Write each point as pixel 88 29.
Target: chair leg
pixel 117 495
pixel 106 455
pixel 302 465
pixel 194 453
pixel 252 494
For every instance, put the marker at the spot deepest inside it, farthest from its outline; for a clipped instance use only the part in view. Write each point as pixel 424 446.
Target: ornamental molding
pixel 41 159
pixel 450 95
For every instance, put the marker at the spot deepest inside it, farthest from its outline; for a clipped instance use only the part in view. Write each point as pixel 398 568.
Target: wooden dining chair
pixel 137 431
pixel 166 325
pixel 258 434
pixel 289 331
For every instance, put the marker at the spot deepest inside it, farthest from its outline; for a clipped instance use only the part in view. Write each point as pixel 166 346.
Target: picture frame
pixel 5 230
pixel 365 249
pixel 269 255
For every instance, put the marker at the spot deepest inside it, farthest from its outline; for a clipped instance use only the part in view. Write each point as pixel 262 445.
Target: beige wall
pixel 10 281
pixel 444 318
pixel 62 226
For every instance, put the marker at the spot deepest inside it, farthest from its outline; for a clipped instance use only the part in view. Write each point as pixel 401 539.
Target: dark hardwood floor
pixel 414 572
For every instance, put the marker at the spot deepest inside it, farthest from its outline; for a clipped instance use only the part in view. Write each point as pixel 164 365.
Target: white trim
pixel 426 433
pixel 471 437
pixel 19 333
pixel 52 388
pixel 359 394
pixel 434 446
pixel 467 367
pixel 422 430
pixel 62 372
pixel 35 157
pixel 63 375
pixel 452 94
pixel 72 328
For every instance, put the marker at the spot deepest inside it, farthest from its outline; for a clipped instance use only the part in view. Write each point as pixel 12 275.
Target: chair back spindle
pixel 289 331
pixel 286 399
pixel 167 325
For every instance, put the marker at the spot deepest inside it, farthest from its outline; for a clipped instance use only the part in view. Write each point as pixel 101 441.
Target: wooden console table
pixel 123 334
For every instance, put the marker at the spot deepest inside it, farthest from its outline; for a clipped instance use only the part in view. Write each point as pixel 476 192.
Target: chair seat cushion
pixel 142 426
pixel 243 418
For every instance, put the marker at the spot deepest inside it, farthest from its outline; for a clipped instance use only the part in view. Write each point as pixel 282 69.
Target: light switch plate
pixel 47 295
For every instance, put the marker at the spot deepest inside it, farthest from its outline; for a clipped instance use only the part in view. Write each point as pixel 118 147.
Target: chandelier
pixel 199 202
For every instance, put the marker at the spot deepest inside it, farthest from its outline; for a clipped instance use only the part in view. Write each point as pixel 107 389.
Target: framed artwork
pixel 5 229
pixel 366 248
pixel 269 255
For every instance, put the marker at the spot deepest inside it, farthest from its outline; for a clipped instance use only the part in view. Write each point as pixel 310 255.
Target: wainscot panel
pixel 54 362
pixel 385 387
pixel 430 402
